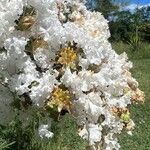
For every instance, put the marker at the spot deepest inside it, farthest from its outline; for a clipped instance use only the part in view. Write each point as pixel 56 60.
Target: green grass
pixel 17 137
pixel 140 140
pixel 142 53
pixel 66 136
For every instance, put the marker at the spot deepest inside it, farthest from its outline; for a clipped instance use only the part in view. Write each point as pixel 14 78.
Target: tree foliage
pixel 107 7
pixel 125 25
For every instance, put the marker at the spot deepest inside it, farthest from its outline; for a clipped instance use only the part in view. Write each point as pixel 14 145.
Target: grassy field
pixel 140 140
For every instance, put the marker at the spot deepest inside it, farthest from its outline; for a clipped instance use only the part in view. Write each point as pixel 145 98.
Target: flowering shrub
pixel 55 55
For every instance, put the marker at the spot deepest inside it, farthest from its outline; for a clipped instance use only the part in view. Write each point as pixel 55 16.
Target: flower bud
pixel 26 23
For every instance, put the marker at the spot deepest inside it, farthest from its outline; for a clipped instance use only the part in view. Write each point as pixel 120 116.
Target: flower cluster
pixel 57 53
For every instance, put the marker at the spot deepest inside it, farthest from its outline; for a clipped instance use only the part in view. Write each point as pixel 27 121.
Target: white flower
pixel 43 58
pixel 111 142
pixel 79 83
pixel 90 106
pixel 92 133
pixel 41 91
pixel 44 132
pixel 9 12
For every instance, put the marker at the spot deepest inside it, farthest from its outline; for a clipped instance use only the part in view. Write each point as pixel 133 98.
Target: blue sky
pixel 141 2
pixel 133 4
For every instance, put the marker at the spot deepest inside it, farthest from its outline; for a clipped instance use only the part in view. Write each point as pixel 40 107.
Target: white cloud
pixel 133 6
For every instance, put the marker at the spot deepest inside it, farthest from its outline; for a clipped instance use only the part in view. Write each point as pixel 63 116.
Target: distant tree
pixel 91 4
pixel 145 12
pixel 121 25
pixel 107 7
pixel 144 27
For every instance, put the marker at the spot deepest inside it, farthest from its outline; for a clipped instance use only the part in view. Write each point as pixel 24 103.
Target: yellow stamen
pixel 61 99
pixel 67 57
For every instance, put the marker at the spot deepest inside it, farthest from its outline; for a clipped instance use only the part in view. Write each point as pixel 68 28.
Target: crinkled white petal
pixel 92 133
pixel 44 132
